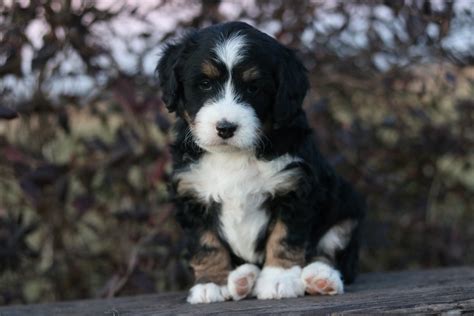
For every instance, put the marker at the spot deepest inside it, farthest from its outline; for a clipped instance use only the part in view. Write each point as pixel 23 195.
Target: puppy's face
pixel 227 82
pixel 228 92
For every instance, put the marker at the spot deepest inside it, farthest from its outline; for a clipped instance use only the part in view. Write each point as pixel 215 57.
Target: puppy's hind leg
pixel 336 252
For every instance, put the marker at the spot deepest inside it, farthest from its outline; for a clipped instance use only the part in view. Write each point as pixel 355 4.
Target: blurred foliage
pixel 84 137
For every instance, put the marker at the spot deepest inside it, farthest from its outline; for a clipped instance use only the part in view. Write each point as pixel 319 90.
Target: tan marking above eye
pixel 210 70
pixel 250 74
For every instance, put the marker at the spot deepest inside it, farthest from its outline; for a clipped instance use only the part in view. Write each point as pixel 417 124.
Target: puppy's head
pixel 232 84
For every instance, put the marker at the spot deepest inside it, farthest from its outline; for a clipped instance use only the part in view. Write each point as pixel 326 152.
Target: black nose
pixel 225 129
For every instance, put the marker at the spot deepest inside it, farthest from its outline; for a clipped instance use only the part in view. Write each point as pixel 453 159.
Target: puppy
pixel 265 214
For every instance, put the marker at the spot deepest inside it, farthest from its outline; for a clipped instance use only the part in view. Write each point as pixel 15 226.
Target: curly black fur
pixel 321 198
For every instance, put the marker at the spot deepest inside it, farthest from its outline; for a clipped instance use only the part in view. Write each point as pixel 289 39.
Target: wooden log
pixel 448 291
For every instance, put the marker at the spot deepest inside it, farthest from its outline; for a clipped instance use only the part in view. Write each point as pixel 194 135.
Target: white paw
pixel 276 283
pixel 240 281
pixel 320 278
pixel 208 293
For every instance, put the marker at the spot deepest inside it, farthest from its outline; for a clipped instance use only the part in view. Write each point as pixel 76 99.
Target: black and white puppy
pixel 265 213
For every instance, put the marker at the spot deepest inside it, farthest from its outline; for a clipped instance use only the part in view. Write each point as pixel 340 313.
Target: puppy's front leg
pixel 281 274
pixel 211 265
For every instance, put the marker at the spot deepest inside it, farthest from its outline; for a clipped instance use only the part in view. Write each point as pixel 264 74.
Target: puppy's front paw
pixel 208 293
pixel 320 278
pixel 277 283
pixel 241 281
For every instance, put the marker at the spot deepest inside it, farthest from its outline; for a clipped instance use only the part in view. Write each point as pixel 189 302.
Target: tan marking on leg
pixel 214 265
pixel 210 239
pixel 278 254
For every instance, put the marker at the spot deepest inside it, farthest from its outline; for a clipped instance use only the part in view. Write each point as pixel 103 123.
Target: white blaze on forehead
pixel 231 50
pixel 228 95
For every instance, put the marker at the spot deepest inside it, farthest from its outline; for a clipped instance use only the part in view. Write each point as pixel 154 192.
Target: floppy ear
pixel 167 74
pixel 292 87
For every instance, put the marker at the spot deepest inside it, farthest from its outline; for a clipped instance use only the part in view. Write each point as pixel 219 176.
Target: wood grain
pixel 449 290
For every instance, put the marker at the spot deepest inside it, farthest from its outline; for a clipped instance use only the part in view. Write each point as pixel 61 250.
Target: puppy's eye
pixel 252 89
pixel 205 85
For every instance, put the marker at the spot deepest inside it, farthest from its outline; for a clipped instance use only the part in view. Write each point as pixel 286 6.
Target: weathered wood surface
pixel 449 291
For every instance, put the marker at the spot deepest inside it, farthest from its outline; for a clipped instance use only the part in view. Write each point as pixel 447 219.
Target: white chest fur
pixel 240 183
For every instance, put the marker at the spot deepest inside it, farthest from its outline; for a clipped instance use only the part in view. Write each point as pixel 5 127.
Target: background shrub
pixel 84 136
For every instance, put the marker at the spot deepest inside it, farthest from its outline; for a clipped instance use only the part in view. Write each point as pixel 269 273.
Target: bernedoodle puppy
pixel 265 213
